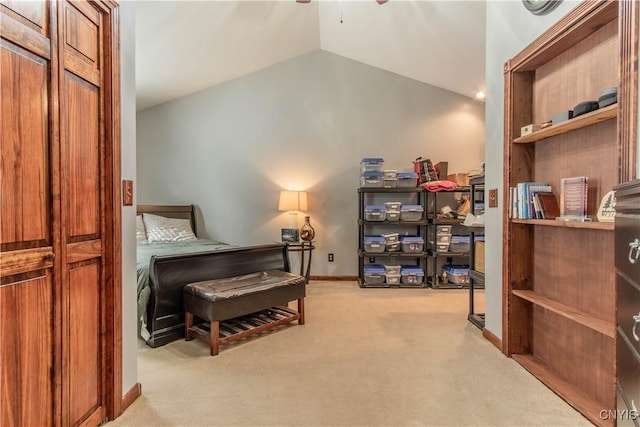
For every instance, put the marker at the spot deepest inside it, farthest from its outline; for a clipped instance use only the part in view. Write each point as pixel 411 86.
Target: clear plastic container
pixel 412 275
pixel 411 212
pixel 393 216
pixel 374 274
pixel 369 164
pixel 443 229
pixel 412 243
pixel 443 238
pixel 393 279
pixel 390 173
pixel 459 244
pixel 458 274
pixel 393 247
pixel 375 212
pixel 392 269
pixel 393 206
pixel 407 179
pixel 371 179
pixel 375 244
pixel 391 237
pixel 389 182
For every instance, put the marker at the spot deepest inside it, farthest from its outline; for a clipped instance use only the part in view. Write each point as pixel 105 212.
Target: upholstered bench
pixel 240 306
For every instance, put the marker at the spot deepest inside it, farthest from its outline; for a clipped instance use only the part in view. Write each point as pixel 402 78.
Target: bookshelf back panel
pixel 580 355
pixel 576 75
pixel 582 278
pixel 590 152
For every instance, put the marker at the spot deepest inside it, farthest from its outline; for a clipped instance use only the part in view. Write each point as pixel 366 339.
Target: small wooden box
pixel 461 179
pixel 478 262
pixel 526 130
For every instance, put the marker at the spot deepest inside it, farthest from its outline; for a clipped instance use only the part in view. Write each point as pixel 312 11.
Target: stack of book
pixel 533 200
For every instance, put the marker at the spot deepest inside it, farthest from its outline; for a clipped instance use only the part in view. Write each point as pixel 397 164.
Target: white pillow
pixel 162 229
pixel 141 232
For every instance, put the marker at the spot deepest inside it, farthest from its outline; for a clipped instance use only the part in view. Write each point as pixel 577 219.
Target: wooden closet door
pixel 28 320
pixel 82 175
pixel 59 275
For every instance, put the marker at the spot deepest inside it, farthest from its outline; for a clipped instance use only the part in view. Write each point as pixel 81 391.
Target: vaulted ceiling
pixel 185 46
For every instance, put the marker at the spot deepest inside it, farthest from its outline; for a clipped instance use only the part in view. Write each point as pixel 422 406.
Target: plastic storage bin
pixel 375 213
pixel 442 247
pixel 393 279
pixel 443 229
pixel 392 269
pixel 407 179
pixel 411 212
pixel 393 215
pixel 459 244
pixel 369 164
pixel 393 247
pixel 371 179
pixel 393 206
pixel 443 238
pixel 374 274
pixel 374 244
pixel 389 182
pixel 458 274
pixel 391 237
pixel 390 173
pixel 412 243
pixel 411 274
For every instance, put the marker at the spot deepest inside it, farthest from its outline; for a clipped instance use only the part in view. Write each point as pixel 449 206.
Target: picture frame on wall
pixel 290 235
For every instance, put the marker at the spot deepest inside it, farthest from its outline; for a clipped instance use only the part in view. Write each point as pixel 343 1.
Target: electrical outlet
pixel 330 257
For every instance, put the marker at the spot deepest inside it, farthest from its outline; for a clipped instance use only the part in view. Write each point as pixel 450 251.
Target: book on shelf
pixel 523 201
pixel 549 205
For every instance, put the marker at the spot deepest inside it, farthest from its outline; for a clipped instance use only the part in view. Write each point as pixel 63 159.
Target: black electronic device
pixel 585 107
pixel 608 96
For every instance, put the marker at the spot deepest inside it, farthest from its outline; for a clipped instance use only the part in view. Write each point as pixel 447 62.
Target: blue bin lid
pixel 372 160
pixel 460 239
pixel 374 268
pixel 406 175
pixel 479 238
pixel 411 208
pixel 374 239
pixel 411 239
pixel 375 208
pixel 456 269
pixel 411 269
pixel 372 174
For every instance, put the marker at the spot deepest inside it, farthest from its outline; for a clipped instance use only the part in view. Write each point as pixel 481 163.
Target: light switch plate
pixel 493 198
pixel 127 192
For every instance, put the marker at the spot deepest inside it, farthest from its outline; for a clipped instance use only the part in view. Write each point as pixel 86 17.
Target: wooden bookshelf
pixel 559 276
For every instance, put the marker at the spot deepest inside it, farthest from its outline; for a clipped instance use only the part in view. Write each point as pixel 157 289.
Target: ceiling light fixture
pixel 480 94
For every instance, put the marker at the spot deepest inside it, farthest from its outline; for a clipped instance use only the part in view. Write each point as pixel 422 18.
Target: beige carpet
pixel 366 357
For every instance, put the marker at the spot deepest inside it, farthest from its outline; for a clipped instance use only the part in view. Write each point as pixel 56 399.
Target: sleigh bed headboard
pixel 171 211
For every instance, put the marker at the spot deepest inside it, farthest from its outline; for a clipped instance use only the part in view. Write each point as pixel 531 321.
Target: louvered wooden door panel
pixel 56 185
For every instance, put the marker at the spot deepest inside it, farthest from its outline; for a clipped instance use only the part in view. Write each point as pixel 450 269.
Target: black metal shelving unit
pixel 476 278
pixel 436 258
pixel 406 195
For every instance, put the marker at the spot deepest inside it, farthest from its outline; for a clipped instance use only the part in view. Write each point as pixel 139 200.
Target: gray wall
pixel 304 124
pixel 510 27
pixel 128 164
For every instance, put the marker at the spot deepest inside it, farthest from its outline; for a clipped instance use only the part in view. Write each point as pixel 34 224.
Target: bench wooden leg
pixel 301 311
pixel 188 323
pixel 214 336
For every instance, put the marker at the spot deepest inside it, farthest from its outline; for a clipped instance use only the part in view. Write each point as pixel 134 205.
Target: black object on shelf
pixel 476 278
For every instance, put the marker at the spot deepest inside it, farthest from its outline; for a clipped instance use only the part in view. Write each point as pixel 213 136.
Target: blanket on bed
pixel 144 253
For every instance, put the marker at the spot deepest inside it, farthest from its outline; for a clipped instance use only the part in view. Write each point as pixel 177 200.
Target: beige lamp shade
pixel 293 201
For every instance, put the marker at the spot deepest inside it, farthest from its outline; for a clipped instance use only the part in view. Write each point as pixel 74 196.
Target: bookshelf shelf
pixel 589 119
pixel 589 225
pixel 569 392
pixel 568 312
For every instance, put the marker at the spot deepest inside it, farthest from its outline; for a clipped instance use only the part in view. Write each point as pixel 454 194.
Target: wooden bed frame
pixel 168 274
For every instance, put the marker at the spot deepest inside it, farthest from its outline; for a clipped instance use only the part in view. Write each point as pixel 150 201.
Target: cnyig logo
pixel 619 414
